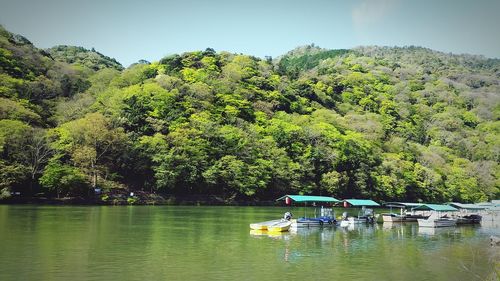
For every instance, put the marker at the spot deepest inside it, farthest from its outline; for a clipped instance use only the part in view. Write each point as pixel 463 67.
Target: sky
pixel 151 29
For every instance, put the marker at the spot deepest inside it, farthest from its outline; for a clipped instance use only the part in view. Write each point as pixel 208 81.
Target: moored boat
pixel 264 225
pixel 437 222
pixel 258 232
pixel 344 223
pixel 313 222
pixel 365 215
pixel 404 215
pixel 435 219
pixel 469 213
pixel 392 217
pixel 325 217
pixel 282 226
pixel 469 219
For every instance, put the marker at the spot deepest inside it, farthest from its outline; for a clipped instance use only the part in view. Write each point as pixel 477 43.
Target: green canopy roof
pixel 308 198
pixel 435 207
pixel 361 202
pixel 467 206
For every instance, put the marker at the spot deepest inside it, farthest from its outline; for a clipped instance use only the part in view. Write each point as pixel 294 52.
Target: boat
pixel 264 233
pixel 362 219
pixel 282 226
pixel 264 225
pixel 469 219
pixel 435 219
pixel 469 213
pixel 393 217
pixel 437 222
pixel 404 215
pixel 365 215
pixel 354 220
pixel 325 217
pixel 313 222
pixel 258 232
pixel 346 221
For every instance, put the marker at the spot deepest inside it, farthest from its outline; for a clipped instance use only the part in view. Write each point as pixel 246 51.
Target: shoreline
pixel 132 201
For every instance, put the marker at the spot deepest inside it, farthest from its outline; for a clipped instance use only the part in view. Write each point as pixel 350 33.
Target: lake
pixel 215 243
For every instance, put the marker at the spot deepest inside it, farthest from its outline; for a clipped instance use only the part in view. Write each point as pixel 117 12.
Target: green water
pixel 215 243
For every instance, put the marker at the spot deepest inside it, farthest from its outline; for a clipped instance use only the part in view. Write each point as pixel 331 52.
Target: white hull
pixel 280 227
pixel 442 222
pixel 353 220
pixel 391 218
pixel 264 225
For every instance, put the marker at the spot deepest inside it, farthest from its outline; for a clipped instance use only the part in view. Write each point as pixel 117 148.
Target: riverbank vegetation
pixel 385 123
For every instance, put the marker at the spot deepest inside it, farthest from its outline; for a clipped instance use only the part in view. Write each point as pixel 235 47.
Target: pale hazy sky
pixel 133 30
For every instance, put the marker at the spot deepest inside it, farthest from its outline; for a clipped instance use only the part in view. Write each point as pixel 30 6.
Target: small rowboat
pixel 280 227
pixel 263 225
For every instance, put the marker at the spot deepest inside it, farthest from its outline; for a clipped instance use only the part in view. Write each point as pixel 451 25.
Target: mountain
pixel 388 123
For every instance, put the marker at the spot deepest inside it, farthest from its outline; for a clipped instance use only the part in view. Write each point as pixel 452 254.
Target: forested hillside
pixel 83 57
pixel 376 122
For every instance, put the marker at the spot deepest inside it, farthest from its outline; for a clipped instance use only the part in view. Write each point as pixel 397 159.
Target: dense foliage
pixel 384 123
pixel 81 56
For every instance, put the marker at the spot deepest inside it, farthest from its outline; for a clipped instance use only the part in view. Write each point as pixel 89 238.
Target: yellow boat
pixel 280 227
pixel 263 225
pixel 258 232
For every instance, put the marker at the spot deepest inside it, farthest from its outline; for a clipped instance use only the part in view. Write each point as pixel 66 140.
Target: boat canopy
pixel 435 207
pixel 309 198
pixel 466 206
pixel 490 205
pixel 402 204
pixel 361 202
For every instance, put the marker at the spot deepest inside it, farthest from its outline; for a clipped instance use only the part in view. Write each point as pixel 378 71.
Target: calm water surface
pixel 215 243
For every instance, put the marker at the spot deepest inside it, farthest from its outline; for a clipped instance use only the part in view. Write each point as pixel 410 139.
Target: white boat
pixel 437 222
pixel 264 225
pixel 282 226
pixel 392 217
pixel 356 220
pixel 469 213
pixel 435 219
pixel 365 215
pixel 344 223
